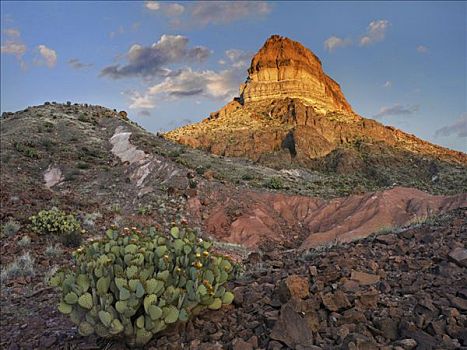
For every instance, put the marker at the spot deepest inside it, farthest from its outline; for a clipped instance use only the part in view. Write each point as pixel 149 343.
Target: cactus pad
pixel 134 285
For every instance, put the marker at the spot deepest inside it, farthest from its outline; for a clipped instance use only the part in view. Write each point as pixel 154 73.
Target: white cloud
pixel 387 84
pixel 222 85
pixel 458 128
pixel 237 58
pixel 14 48
pixel 376 32
pixel 334 42
pixel 141 101
pixel 422 49
pixel 216 85
pixel 49 55
pixel 396 110
pixel 152 5
pixel 169 9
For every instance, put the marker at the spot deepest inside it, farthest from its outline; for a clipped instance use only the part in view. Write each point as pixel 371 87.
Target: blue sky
pixel 170 63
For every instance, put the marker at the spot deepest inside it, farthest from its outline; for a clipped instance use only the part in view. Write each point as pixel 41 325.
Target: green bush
pixel 132 285
pixel 10 228
pixel 57 222
pixel 27 149
pixel 274 183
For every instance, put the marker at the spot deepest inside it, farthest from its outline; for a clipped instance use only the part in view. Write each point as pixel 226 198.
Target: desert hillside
pixel 343 250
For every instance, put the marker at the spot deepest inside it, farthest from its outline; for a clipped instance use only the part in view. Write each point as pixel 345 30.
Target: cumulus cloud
pixel 458 128
pixel 217 85
pixel 169 9
pixel 77 64
pixel 49 56
pixel 152 5
pixel 334 42
pixel 221 12
pixel 14 48
pixel 237 58
pixel 149 61
pixel 13 45
pixel 376 32
pixel 396 110
pixel 422 49
pixel 222 85
pixel 139 100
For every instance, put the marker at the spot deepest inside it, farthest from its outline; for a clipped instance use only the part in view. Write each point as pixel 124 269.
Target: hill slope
pixel 89 158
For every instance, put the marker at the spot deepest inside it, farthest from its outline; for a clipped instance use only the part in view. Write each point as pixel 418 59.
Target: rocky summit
pixel 285 68
pixel 290 113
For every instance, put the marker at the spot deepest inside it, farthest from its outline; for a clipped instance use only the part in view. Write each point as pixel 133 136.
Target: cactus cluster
pixel 134 284
pixel 54 221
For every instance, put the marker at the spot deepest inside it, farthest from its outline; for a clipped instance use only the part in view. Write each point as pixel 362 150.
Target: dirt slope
pixel 313 222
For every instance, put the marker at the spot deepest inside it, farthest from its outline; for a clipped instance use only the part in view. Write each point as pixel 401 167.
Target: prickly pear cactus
pixel 133 285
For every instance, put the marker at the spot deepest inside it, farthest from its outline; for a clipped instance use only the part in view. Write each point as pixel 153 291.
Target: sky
pixel 172 63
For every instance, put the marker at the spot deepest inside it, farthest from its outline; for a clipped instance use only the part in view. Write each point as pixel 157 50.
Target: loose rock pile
pixel 394 291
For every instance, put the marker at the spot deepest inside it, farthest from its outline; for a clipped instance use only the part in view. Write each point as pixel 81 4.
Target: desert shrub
pixel 49 127
pixel 133 285
pixel 53 250
pixel 145 209
pixel 48 144
pixel 24 242
pixel 89 220
pixel 247 176
pixel 71 174
pixel 10 228
pixel 57 222
pixel 22 266
pixel 174 154
pixel 274 183
pixel 27 149
pixel 83 165
pixel 116 208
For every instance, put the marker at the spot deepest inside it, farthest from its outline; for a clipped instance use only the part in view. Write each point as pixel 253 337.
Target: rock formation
pixel 285 68
pixel 290 111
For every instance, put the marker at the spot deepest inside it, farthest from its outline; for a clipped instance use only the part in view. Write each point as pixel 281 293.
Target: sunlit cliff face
pixel 285 68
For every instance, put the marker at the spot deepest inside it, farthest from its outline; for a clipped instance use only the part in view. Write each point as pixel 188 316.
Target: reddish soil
pixel 312 222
